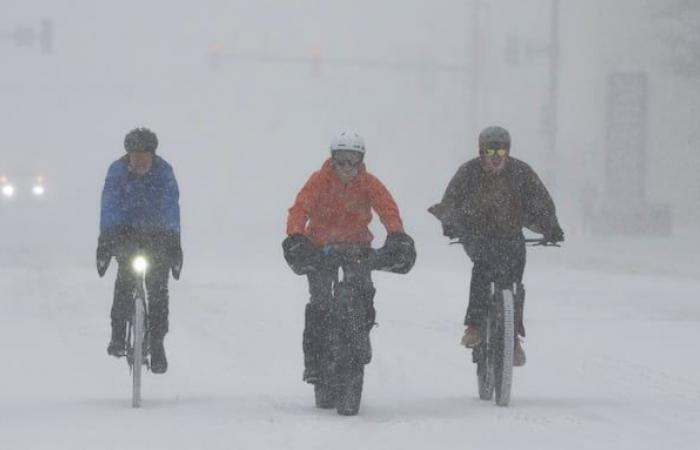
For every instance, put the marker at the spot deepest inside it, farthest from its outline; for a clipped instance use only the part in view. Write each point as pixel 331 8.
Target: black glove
pixel 398 255
pixel 105 251
pixel 174 250
pixel 301 254
pixel 452 231
pixel 554 235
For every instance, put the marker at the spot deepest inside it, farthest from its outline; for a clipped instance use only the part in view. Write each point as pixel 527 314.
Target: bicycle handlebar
pixel 540 242
pixel 537 242
pixel 343 256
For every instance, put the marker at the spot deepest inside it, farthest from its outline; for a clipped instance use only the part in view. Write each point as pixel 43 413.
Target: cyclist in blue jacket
pixel 140 212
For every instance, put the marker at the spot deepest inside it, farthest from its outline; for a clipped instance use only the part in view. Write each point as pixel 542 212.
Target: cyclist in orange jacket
pixel 333 210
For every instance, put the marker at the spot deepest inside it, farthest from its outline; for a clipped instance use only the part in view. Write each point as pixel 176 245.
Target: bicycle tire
pixel 325 395
pixel 349 393
pixel 484 370
pixel 502 351
pixel 139 332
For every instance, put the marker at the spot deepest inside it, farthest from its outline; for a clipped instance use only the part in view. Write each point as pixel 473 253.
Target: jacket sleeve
pixel 450 210
pixel 111 205
pixel 171 203
pixel 300 211
pixel 385 206
pixel 540 213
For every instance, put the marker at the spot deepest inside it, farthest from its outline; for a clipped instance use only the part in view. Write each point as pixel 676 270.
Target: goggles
pixel 501 152
pixel 340 161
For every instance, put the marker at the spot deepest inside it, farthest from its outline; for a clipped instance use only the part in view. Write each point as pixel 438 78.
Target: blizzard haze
pixel 245 97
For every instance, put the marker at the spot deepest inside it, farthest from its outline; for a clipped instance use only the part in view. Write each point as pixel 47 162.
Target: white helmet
pixel 348 140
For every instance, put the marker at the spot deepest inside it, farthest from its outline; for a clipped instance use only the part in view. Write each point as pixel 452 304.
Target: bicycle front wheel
pixel 139 332
pixel 484 367
pixel 503 346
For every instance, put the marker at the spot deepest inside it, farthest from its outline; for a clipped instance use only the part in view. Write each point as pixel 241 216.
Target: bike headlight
pixel 140 264
pixel 38 190
pixel 8 190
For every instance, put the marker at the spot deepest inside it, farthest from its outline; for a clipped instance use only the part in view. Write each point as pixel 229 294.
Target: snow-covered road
pixel 612 360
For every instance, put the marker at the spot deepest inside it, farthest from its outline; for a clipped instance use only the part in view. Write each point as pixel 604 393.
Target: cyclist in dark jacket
pixel 486 205
pixel 140 212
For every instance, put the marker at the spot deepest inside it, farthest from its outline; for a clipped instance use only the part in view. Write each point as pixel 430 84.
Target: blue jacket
pixel 148 203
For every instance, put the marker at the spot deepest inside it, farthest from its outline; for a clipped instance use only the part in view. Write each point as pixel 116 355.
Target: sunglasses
pixel 496 151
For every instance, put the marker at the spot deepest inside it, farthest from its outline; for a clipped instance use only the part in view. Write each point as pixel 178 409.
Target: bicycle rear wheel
pixel 501 350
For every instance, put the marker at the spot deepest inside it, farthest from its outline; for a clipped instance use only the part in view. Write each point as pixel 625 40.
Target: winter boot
pixel 159 363
pixel 518 354
pixel 117 345
pixel 471 337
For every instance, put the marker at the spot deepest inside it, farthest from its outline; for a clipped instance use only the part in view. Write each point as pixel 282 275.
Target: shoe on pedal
pixel 519 358
pixel 311 375
pixel 471 337
pixel 159 363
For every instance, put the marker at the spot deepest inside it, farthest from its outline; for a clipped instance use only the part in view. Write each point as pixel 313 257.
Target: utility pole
pixel 474 99
pixel 553 93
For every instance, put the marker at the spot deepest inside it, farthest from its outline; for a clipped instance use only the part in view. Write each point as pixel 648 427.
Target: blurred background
pixel 601 98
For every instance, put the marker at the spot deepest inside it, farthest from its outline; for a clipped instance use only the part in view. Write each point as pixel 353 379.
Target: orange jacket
pixel 326 210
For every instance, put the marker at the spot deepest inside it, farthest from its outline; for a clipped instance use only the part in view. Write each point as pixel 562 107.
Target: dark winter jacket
pixel 478 204
pixel 142 204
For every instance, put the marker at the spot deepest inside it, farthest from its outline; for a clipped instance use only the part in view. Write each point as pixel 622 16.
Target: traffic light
pixel 216 53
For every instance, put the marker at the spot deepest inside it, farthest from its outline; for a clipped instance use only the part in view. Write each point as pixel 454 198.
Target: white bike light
pixel 38 190
pixel 140 264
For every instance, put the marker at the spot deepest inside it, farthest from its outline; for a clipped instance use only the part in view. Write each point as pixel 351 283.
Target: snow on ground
pixel 612 358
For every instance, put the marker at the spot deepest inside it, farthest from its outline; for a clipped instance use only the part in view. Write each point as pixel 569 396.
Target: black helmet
pixel 140 140
pixel 494 136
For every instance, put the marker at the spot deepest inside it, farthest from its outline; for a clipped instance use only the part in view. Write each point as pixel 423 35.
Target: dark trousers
pixel 156 292
pixel 318 317
pixel 502 260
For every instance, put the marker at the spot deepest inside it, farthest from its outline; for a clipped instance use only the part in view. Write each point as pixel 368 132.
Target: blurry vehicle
pixel 28 227
pixel 22 187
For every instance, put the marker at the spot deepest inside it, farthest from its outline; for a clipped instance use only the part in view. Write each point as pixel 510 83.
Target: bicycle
pixel 137 338
pixel 346 348
pixel 494 354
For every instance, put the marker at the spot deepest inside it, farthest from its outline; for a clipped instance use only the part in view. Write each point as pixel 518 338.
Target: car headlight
pixel 38 190
pixel 8 190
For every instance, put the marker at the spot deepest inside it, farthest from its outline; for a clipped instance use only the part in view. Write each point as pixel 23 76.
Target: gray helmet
pixel 494 136
pixel 140 140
